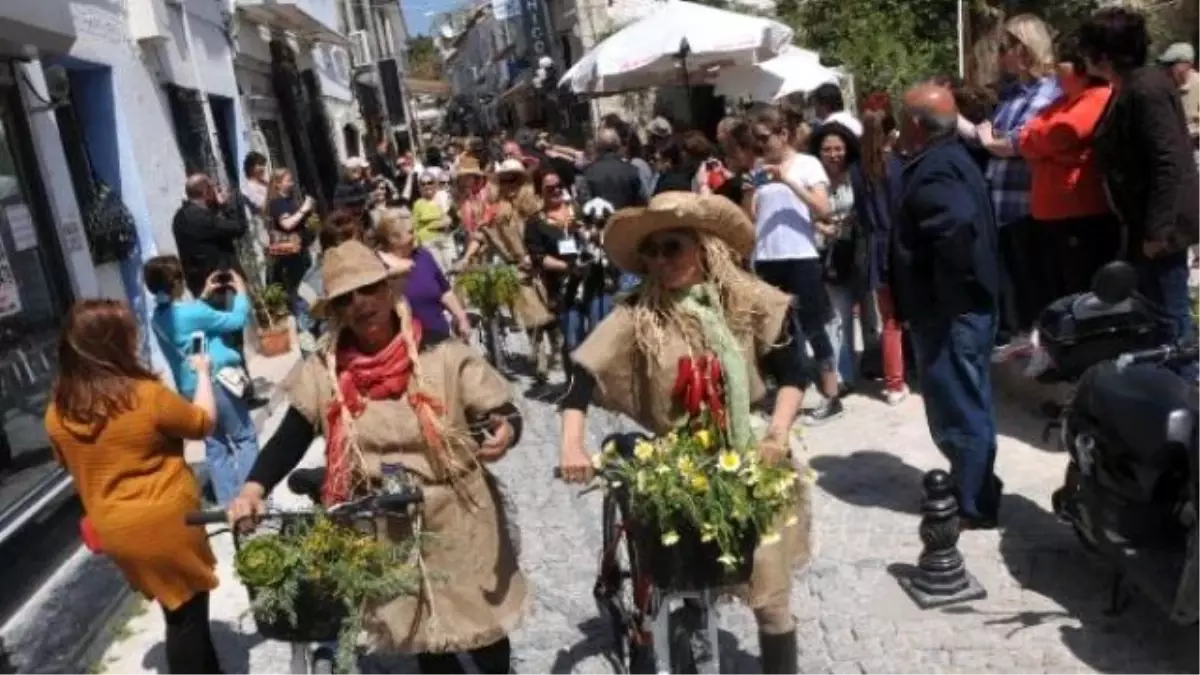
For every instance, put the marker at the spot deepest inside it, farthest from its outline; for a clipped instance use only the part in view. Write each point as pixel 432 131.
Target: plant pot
pixel 691 564
pixel 275 340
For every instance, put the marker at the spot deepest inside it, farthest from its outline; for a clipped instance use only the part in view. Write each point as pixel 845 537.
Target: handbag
pixel 284 244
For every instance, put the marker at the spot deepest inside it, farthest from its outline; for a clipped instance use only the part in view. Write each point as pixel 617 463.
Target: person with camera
pixel 188 328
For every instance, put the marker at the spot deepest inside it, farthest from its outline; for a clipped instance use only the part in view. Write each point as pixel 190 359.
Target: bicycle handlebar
pixel 1175 352
pixel 364 508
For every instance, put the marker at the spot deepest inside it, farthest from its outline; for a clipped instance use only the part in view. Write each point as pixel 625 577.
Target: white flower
pixel 729 461
pixel 770 539
pixel 728 560
pixel 670 538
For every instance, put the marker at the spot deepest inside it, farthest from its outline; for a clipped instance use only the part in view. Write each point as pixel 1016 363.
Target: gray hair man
pixel 945 281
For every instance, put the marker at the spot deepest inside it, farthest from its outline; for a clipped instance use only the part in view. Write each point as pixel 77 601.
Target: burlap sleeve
pixel 608 352
pixel 480 387
pixel 309 389
pixel 770 312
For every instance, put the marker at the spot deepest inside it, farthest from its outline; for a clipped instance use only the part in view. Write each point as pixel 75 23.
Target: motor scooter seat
pixel 1136 405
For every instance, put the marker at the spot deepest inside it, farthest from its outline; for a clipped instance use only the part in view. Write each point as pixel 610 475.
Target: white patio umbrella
pixel 795 70
pixel 677 42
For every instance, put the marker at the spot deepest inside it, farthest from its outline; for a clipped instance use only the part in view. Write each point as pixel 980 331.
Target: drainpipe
pixel 210 126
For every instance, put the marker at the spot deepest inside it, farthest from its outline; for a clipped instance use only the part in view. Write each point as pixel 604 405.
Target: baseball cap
pixel 1180 52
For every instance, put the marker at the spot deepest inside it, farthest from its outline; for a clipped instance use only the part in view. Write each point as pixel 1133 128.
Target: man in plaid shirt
pixel 1008 179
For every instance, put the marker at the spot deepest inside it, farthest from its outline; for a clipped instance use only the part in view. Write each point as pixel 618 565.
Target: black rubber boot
pixel 778 653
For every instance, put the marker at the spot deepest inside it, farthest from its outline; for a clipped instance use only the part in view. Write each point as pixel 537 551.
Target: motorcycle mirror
pixel 1114 283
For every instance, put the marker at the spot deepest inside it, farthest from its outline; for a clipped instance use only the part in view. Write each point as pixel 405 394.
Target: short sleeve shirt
pixel 783 224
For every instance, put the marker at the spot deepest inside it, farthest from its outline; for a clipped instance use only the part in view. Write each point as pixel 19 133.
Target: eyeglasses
pixel 343 301
pixel 667 248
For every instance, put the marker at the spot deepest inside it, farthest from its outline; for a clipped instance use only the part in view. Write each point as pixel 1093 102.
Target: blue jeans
pixel 954 363
pixel 628 282
pixel 1164 281
pixel 576 321
pixel 232 448
pixel 840 328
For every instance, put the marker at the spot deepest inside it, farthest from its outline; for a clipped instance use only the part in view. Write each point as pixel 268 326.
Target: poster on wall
pixel 20 225
pixel 10 295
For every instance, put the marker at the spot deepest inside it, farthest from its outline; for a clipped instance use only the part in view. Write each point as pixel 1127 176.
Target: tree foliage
pixel 885 44
pixel 424 63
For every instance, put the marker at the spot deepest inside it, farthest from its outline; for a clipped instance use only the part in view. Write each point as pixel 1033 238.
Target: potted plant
pixel 271 313
pixel 317 579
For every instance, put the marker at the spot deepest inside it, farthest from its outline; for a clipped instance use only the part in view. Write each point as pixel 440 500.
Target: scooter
pixel 1130 429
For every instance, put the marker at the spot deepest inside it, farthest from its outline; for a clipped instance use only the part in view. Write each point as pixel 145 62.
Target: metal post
pixel 962 39
pixel 941 577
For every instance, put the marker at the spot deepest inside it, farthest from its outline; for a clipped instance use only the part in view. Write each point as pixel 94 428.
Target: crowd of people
pixel 936 227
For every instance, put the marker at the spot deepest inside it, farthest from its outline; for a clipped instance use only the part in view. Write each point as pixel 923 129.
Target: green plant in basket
pixel 335 563
pixel 691 477
pixel 489 288
pixel 270 306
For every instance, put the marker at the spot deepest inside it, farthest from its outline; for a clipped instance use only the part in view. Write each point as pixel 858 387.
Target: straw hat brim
pixel 395 268
pixel 709 214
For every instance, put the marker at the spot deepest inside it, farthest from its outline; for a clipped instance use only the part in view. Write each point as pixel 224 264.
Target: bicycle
pixel 650 636
pixel 313 637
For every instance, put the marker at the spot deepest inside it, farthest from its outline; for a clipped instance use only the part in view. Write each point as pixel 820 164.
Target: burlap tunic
pixel 629 382
pixel 506 236
pixel 475 592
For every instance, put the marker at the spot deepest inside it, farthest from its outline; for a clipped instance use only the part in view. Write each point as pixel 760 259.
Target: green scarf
pixel 701 301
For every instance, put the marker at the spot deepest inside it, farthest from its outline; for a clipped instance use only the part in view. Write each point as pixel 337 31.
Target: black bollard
pixel 941 577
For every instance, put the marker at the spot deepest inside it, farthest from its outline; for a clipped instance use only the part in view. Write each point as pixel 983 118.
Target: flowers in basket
pixel 693 479
pixel 323 562
pixel 489 288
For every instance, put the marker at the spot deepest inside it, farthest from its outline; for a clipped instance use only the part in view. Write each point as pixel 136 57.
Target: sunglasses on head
pixel 666 248
pixel 343 301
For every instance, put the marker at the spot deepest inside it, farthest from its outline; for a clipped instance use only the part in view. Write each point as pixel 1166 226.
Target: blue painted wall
pixel 114 162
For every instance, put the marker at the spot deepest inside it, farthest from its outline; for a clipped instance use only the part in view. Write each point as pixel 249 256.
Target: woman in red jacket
pixel 1075 231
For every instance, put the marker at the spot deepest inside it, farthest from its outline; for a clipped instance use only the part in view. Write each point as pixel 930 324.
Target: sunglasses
pixel 343 301
pixel 666 248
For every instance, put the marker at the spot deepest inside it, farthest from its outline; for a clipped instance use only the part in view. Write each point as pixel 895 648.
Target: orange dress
pixel 136 488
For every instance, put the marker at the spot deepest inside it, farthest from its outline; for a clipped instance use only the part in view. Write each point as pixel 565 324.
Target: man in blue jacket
pixel 945 281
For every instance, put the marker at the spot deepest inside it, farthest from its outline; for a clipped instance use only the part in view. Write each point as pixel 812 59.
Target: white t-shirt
pixel 783 225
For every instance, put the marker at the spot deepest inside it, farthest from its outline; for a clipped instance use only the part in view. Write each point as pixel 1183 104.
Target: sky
pixel 418 13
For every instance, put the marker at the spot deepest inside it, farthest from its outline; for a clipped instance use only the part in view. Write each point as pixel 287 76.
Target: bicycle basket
pixel 319 615
pixel 691 564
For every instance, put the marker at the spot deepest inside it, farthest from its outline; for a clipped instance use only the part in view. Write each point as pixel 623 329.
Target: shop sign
pixel 537 30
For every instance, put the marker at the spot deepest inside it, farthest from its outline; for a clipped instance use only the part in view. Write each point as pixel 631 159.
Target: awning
pixel 292 16
pixel 47 26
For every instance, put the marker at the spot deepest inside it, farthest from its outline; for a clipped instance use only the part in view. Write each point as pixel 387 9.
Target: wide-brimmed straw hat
pixel 709 214
pixel 511 166
pixel 350 266
pixel 468 166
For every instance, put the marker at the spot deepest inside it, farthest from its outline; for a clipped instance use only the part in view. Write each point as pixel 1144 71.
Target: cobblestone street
pixel 1045 610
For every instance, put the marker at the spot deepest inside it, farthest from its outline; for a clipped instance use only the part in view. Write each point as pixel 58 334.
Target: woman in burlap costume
pixel 504 234
pixel 380 394
pixel 696 300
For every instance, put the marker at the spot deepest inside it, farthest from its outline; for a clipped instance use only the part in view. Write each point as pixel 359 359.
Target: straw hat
pixel 350 266
pixel 468 166
pixel 709 214
pixel 511 166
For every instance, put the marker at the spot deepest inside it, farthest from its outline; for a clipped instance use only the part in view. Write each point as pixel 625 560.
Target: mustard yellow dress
pixel 136 488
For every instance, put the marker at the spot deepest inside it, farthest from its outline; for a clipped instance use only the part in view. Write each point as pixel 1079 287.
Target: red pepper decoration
pixel 699 386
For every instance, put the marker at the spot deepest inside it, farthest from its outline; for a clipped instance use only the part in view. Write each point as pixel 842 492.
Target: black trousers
pixel 1018 288
pixel 1067 253
pixel 189 639
pixel 494 659
pixel 804 281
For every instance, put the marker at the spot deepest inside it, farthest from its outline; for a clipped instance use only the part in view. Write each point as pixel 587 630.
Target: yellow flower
pixel 610 448
pixel 728 560
pixel 708 531
pixel 685 465
pixel 643 451
pixel 598 461
pixel 704 438
pixel 783 485
pixel 670 538
pixel 700 483
pixel 770 539
pixel 751 475
pixel 729 461
pixel 672 438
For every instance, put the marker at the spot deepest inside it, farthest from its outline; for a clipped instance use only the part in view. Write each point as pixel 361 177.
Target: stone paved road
pixel 1044 611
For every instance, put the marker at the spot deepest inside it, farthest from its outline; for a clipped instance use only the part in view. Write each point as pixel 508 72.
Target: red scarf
pixel 362 377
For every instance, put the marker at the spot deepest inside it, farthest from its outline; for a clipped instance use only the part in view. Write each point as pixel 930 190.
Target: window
pixel 273 136
pixel 33 301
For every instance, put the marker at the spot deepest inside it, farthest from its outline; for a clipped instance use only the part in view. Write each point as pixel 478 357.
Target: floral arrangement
pixel 322 563
pixel 489 288
pixel 692 480
pixel 270 306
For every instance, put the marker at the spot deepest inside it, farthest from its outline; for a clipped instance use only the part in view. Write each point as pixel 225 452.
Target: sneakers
pixel 895 396
pixel 831 409
pixel 1018 346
